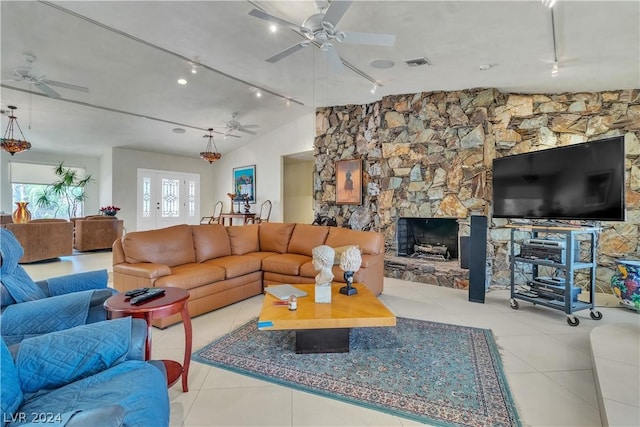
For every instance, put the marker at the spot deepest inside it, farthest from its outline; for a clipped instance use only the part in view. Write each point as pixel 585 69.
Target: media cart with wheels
pixel 556 247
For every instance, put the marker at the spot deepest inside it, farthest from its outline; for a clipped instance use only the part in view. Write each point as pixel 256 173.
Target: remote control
pixel 135 292
pixel 150 294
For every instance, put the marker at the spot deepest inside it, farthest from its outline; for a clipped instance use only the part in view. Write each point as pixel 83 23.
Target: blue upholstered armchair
pixel 30 309
pixel 90 375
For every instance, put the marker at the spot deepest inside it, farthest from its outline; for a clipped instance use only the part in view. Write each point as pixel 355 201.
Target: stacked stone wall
pixel 430 155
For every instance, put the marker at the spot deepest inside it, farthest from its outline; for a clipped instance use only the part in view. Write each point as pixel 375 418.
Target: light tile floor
pixel 547 362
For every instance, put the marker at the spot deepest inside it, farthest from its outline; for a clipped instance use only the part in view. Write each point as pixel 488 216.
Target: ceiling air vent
pixel 418 62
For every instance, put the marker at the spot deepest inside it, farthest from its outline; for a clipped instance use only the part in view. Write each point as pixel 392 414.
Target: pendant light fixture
pixel 8 142
pixel 209 154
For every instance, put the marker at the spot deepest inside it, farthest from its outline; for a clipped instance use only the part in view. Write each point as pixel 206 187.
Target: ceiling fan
pixel 320 29
pixel 27 73
pixel 234 125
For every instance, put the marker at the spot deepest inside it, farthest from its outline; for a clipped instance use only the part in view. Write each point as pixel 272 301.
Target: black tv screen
pixel 578 182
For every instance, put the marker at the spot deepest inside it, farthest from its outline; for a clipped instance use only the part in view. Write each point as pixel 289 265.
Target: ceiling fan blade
pixel 375 39
pixel 250 126
pixel 288 51
pixel 66 85
pixel 334 59
pixel 336 11
pixel 47 90
pixel 263 15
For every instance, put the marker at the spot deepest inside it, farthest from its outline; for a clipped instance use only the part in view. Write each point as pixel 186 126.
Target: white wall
pixel 126 163
pixel 105 179
pixel 266 153
pixel 90 164
pixel 298 191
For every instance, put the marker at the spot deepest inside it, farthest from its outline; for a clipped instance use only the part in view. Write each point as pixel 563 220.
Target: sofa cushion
pixel 236 265
pixel 132 384
pixel 284 263
pixel 188 276
pixel 274 237
pixel 368 241
pixel 340 250
pixel 306 237
pixel 243 239
pixel 210 241
pixel 10 391
pixel 169 246
pixel 52 360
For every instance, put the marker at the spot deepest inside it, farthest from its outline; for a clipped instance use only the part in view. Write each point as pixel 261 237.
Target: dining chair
pixel 263 216
pixel 215 218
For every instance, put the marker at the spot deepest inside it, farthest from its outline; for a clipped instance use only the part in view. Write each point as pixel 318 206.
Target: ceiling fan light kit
pixel 320 29
pixel 235 125
pixel 28 74
pixel 211 153
pixel 8 142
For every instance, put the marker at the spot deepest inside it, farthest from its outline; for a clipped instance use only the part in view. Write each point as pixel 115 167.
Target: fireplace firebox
pixel 429 238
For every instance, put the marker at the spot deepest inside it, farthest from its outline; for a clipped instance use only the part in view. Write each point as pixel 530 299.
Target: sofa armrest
pixel 138 339
pixel 147 270
pixel 89 280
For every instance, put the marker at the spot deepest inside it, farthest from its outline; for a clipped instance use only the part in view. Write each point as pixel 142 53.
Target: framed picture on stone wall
pixel 349 182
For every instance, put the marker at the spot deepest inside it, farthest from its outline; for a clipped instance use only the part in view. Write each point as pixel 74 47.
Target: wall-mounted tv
pixel 578 182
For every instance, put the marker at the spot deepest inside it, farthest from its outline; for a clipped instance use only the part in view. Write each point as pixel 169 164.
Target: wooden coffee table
pixel 173 301
pixel 324 328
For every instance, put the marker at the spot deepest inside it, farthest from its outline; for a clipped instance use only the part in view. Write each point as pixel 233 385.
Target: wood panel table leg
pixel 186 321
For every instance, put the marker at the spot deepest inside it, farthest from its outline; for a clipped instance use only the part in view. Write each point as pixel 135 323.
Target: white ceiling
pixel 130 54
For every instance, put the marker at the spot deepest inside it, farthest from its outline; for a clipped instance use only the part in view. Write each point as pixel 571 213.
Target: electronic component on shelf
pixel 545 243
pixel 542 253
pixel 551 250
pixel 549 291
pixel 557 281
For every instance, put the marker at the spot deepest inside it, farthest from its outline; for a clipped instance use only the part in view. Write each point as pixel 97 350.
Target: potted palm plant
pixel 67 192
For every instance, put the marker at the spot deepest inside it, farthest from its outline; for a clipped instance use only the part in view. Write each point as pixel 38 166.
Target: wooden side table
pixel 245 217
pixel 173 301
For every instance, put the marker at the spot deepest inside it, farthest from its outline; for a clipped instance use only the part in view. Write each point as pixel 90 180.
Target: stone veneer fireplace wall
pixel 430 155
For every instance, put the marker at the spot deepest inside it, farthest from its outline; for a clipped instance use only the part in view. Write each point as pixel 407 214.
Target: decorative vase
pixel 21 215
pixel 625 283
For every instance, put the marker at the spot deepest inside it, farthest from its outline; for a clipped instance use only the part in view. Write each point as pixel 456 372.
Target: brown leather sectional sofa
pixel 220 265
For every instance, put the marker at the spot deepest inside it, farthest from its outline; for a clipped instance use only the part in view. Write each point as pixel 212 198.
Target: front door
pixel 167 198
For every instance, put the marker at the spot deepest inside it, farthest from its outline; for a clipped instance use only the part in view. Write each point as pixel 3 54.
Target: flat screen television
pixel 574 182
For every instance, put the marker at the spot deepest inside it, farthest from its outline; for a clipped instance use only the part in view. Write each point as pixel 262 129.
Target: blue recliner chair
pixel 30 309
pixel 88 376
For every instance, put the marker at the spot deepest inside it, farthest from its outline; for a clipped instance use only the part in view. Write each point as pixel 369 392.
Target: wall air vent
pixel 418 62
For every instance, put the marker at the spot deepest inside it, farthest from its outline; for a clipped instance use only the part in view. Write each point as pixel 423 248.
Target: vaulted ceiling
pixel 130 54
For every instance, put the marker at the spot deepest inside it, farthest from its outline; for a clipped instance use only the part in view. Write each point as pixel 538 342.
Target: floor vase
pixel 21 215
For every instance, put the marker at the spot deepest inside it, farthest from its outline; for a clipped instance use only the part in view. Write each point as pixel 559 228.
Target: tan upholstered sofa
pixel 220 265
pixel 96 232
pixel 43 239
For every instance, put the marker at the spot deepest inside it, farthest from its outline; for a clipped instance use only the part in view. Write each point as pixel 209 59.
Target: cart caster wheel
pixel 573 321
pixel 595 315
pixel 514 304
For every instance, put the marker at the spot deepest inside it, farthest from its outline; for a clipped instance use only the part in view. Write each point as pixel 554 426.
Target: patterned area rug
pixel 435 373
